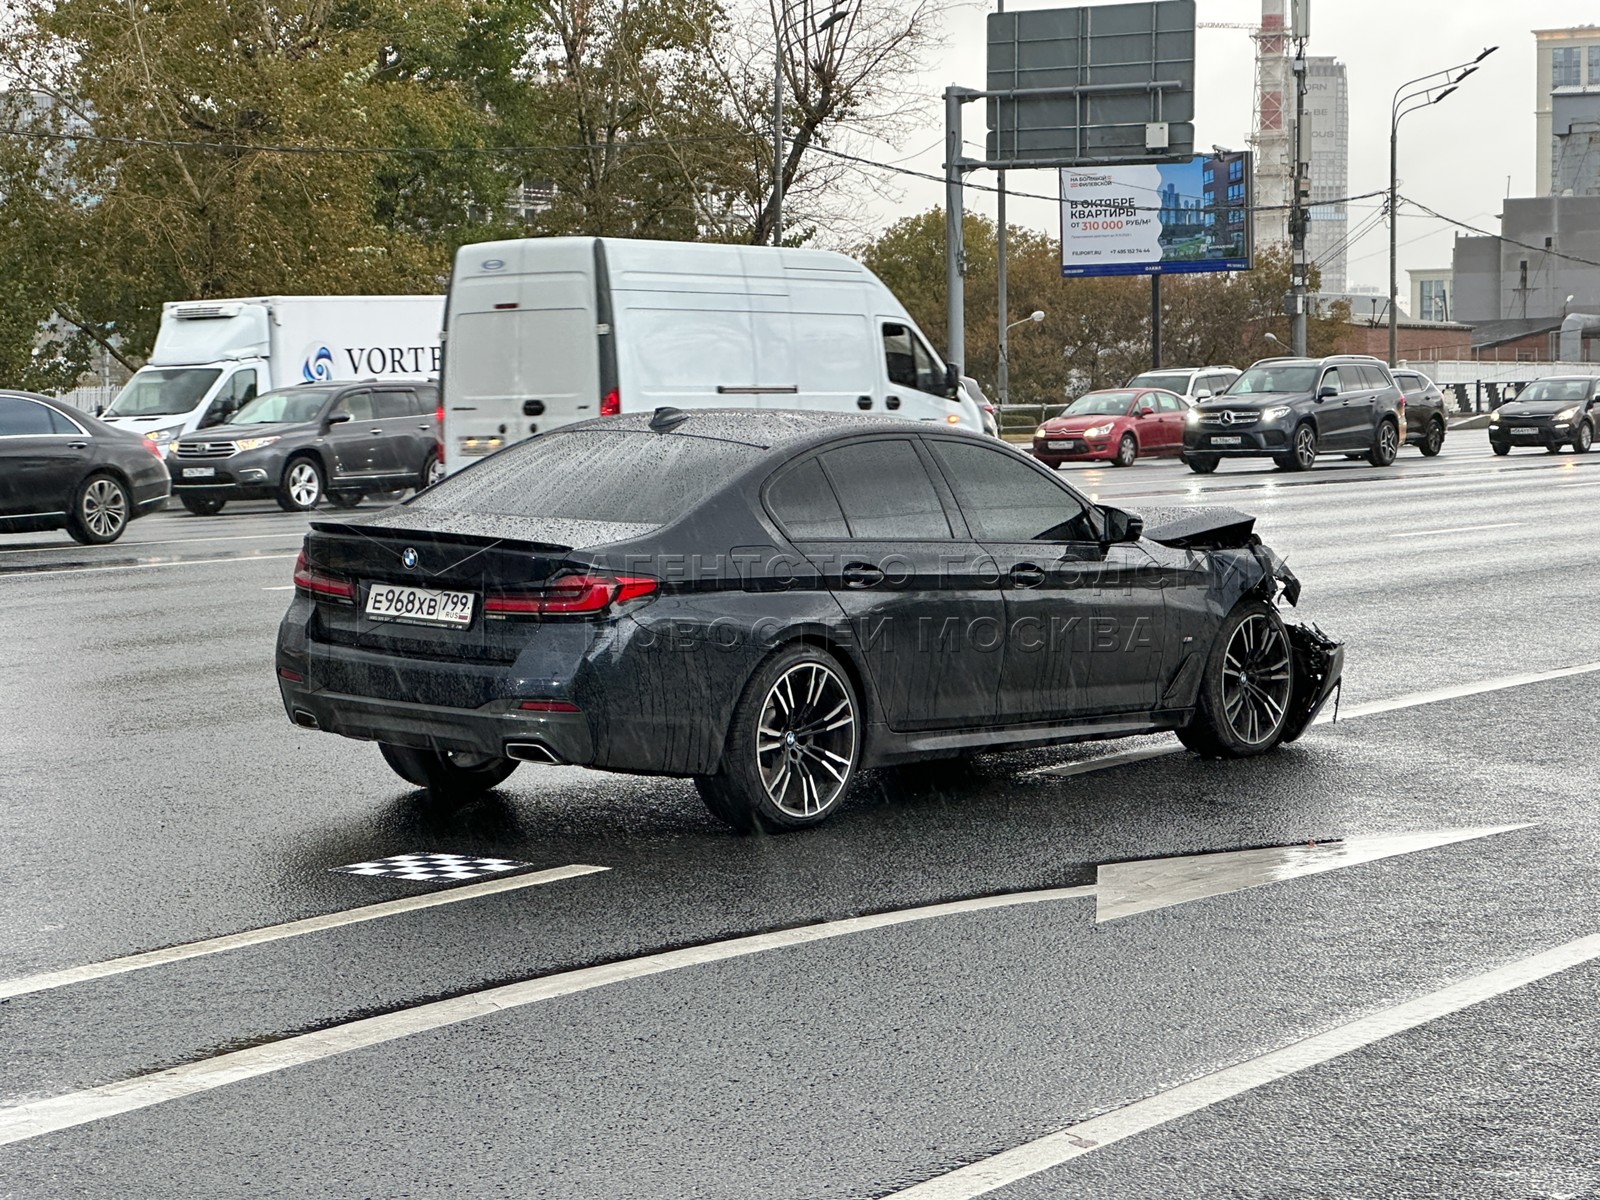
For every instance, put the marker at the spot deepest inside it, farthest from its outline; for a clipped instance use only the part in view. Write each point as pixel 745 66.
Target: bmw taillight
pixel 576 595
pixel 317 583
pixel 611 406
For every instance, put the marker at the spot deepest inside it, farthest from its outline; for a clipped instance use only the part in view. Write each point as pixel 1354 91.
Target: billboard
pixel 1161 219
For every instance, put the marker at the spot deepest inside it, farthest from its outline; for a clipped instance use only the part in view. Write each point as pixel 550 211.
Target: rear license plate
pixel 1227 441
pixel 1061 445
pixel 422 606
pixel 199 472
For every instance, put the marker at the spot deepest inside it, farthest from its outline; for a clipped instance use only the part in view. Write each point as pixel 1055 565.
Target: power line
pixel 1549 250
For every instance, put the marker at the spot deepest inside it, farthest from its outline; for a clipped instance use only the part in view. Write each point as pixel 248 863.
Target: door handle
pixel 77 445
pixel 1026 575
pixel 863 402
pixel 891 402
pixel 861 575
pixel 424 427
pixel 375 432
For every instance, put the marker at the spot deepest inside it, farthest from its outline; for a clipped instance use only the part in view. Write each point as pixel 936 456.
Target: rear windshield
pixel 643 478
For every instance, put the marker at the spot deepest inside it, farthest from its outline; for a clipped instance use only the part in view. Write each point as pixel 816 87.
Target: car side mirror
pixel 952 380
pixel 1146 412
pixel 1327 392
pixel 335 418
pixel 1121 526
pixel 99 410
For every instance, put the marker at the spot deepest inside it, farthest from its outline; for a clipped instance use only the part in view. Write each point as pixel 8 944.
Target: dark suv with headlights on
pixel 1293 409
pixel 1556 412
pixel 299 445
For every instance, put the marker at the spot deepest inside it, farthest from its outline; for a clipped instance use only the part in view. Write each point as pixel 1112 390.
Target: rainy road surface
pixel 973 981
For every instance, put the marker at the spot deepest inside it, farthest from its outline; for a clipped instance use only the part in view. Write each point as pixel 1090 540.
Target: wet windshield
pixel 288 407
pixel 1100 404
pixel 163 391
pixel 1261 380
pixel 1556 389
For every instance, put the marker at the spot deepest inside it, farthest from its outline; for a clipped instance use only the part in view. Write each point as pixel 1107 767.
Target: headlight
pixel 1192 417
pixel 1275 414
pixel 1566 414
pixel 1041 432
pixel 1099 430
pixel 254 443
pixel 1494 417
pixel 164 435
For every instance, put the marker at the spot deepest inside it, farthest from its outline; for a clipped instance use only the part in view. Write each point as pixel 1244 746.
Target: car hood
pixel 1536 408
pixel 1077 424
pixel 1208 528
pixel 228 433
pixel 1253 400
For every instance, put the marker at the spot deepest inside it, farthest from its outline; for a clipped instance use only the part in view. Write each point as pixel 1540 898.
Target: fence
pixel 87 399
pixel 1479 387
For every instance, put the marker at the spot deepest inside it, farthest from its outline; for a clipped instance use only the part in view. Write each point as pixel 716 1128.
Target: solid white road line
pixel 1351 713
pixel 1086 1137
pixel 282 587
pixel 40 1117
pixel 1416 533
pixel 177 562
pixel 275 933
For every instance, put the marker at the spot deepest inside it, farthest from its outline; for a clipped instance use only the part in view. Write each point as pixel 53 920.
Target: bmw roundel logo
pixel 493 264
pixel 408 558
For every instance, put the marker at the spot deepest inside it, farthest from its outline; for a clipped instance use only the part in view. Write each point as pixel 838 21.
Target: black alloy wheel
pixel 99 511
pixel 792 748
pixel 452 777
pixel 202 506
pixel 1302 455
pixel 1385 444
pixel 1244 694
pixel 1433 440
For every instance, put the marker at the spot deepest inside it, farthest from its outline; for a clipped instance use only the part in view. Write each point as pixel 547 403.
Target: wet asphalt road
pixel 153 794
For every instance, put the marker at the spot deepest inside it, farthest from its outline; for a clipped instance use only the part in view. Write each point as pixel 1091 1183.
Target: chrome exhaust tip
pixel 305 720
pixel 534 752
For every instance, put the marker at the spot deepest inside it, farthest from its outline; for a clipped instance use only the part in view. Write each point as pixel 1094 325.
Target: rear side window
pixel 885 492
pixel 1006 500
pixel 641 478
pixel 23 417
pixel 1167 402
pixel 802 501
pixel 395 404
pixel 1375 377
pixel 59 423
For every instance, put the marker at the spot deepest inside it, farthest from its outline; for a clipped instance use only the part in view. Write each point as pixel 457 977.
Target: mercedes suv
pixel 1292 409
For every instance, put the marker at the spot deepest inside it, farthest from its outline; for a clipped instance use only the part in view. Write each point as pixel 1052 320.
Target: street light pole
pixel 1436 85
pixel 836 14
pixel 1032 318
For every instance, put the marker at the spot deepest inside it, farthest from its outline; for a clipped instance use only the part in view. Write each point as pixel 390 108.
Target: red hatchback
pixel 1117 425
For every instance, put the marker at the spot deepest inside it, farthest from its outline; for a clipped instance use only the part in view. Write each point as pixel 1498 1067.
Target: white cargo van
pixel 541 332
pixel 211 356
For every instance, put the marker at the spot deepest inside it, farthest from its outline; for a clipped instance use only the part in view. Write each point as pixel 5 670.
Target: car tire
pixel 1201 464
pixel 450 778
pixel 1556 449
pixel 432 472
pixel 1234 717
pixel 202 506
pixel 1583 438
pixel 1302 455
pixel 1127 451
pixel 302 487
pixel 346 499
pixel 101 510
pixel 1385 444
pixel 1500 450
pixel 797 774
pixel 1433 440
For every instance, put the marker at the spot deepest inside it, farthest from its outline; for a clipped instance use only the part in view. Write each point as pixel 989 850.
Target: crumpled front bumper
pixel 1318 670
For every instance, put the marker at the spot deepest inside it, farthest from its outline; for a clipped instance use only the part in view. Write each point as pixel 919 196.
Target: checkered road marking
pixel 433 868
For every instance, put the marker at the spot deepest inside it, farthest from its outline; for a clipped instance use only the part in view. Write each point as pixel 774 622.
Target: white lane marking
pixel 282 587
pixel 1124 888
pixel 177 562
pixel 274 933
pixel 39 1117
pixel 235 537
pixel 1416 533
pixel 1351 713
pixel 1055 1149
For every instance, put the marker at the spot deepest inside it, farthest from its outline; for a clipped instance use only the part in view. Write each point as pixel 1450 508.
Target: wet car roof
pixel 765 429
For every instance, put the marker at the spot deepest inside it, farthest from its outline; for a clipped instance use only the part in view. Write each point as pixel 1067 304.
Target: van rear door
pixel 522 357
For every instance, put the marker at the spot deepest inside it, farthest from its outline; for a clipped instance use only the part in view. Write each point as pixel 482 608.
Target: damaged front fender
pixel 1318 672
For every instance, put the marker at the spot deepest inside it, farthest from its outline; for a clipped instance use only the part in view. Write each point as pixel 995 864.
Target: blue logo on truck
pixel 318 366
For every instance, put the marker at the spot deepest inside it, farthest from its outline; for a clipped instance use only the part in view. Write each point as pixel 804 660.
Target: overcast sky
pixel 1459 158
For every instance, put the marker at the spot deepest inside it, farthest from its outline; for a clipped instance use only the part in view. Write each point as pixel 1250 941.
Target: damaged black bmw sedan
pixel 767 602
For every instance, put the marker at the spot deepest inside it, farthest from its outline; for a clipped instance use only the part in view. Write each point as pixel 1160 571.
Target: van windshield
pixel 163 391
pixel 287 407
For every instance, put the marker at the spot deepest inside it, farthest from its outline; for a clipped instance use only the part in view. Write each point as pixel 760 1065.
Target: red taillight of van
pixel 317 583
pixel 611 406
pixel 580 595
pixel 438 415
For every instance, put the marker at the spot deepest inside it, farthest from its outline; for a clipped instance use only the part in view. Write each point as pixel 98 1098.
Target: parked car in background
pixel 63 469
pixel 301 445
pixel 1426 411
pixel 1293 409
pixel 1115 425
pixel 682 593
pixel 991 415
pixel 1560 411
pixel 1192 383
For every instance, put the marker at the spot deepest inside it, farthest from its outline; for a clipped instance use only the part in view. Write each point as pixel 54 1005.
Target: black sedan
pixel 768 601
pixel 62 469
pixel 1561 411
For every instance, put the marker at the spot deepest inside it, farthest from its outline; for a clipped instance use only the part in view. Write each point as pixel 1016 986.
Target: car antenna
pixel 666 420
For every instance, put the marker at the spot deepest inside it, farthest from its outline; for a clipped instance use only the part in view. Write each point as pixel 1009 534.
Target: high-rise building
pixel 1567 111
pixel 1327 113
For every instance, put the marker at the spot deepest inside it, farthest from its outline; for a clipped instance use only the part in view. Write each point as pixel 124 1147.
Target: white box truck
pixel 211 356
pixel 541 332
